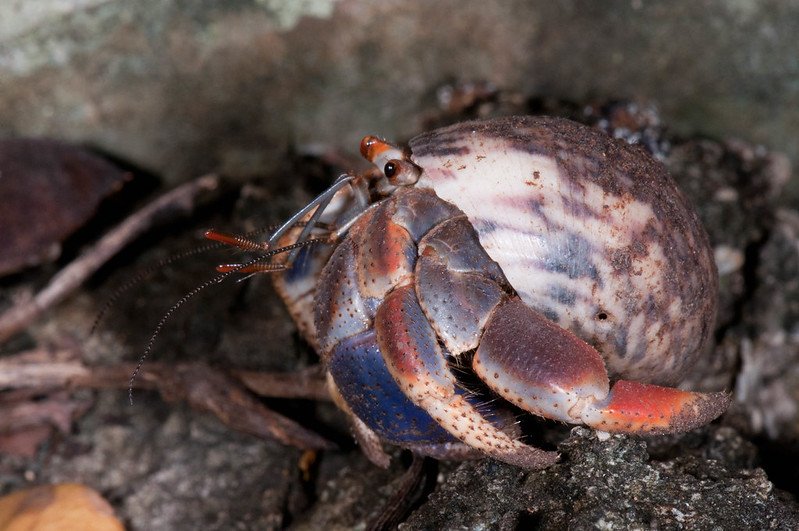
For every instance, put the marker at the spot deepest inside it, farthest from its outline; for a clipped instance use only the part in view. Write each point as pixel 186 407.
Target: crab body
pixel 533 259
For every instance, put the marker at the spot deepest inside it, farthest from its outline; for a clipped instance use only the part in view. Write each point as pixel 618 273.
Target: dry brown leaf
pixel 48 190
pixel 64 507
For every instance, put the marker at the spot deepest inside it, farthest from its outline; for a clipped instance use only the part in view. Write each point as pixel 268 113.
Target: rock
pixel 178 470
pixel 351 494
pixel 610 484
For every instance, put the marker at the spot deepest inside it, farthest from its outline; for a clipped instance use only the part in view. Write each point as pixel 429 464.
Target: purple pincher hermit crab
pixel 528 258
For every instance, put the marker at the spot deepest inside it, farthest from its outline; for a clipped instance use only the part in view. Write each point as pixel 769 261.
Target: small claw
pixel 633 407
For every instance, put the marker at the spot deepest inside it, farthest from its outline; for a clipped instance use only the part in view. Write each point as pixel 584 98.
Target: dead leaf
pixel 64 507
pixel 48 189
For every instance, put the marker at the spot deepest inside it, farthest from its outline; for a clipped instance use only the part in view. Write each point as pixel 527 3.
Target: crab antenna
pixel 321 200
pixel 218 279
pixel 183 300
pixel 314 218
pixel 142 275
pixel 268 267
pixel 160 264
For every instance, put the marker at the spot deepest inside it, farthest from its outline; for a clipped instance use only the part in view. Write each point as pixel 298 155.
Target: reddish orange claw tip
pixel 634 407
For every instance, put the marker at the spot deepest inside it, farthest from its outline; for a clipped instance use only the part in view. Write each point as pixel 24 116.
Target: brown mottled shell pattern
pixel 590 231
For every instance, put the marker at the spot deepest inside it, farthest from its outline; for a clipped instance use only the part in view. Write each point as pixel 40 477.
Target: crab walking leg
pixel 367 439
pixel 415 360
pixel 532 362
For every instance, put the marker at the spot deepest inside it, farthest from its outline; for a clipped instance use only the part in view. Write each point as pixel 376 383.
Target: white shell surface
pixel 589 231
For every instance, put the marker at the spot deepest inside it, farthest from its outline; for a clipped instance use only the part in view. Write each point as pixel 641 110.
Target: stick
pixel 203 387
pixel 306 384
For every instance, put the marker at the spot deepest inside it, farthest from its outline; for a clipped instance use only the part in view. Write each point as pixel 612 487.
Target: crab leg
pixel 547 370
pixel 634 407
pixel 372 329
pixel 416 362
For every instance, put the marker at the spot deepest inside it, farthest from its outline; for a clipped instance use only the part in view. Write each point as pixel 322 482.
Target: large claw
pixel 418 365
pixel 547 370
pixel 634 407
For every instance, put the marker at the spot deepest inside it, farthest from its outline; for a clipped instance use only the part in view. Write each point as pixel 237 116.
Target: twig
pixel 44 369
pixel 40 369
pixel 203 387
pixel 307 383
pixel 56 410
pixel 213 391
pixel 181 200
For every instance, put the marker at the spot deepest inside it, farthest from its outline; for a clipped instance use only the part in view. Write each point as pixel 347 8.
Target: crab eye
pixel 401 172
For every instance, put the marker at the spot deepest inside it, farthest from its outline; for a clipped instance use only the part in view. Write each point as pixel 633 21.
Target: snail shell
pixel 589 230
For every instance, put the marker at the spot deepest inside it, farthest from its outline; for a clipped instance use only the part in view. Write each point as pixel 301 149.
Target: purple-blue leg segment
pixel 360 373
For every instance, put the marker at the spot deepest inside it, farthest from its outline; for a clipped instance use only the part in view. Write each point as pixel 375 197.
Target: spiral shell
pixel 590 231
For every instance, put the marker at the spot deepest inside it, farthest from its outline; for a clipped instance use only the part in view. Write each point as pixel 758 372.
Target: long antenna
pixel 160 264
pixel 218 279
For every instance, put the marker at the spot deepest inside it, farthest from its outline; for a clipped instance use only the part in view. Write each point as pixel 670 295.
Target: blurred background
pixel 186 87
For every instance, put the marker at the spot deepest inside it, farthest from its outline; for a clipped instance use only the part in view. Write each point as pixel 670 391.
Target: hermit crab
pixel 492 268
